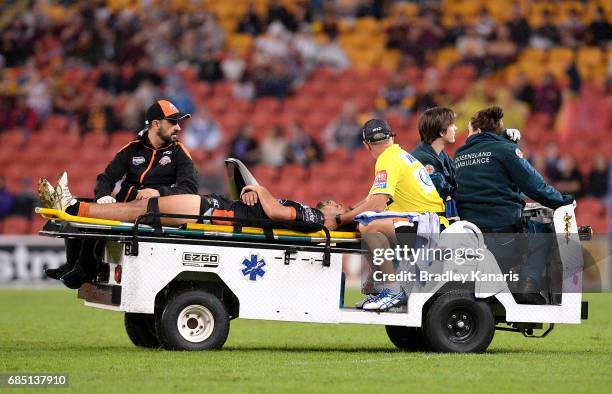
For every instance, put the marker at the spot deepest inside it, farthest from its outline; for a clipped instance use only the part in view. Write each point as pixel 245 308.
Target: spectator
pixel 244 89
pixel 308 48
pixel 600 30
pixel 244 147
pixel 101 117
pixel 574 27
pixel 472 47
pixel 397 32
pixel 274 147
pixel 515 112
pixel 178 93
pixel 501 51
pixel 110 79
pixel 547 35
pixel 522 89
pixel 250 23
pixel 485 26
pixel 6 199
pixel 551 161
pixel 428 96
pixel 211 177
pixel 455 31
pixel 233 66
pixel 211 34
pixel 332 55
pixel 330 22
pixel 397 96
pixel 209 66
pixel 599 177
pixel 202 132
pixel 520 31
pixel 68 102
pixel 25 200
pixel 38 95
pixel 344 132
pixel 569 180
pixel 431 34
pixel 547 96
pixel 278 12
pixel 272 80
pixel 301 148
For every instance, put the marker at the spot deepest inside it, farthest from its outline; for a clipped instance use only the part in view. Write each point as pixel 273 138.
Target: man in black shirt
pixel 154 164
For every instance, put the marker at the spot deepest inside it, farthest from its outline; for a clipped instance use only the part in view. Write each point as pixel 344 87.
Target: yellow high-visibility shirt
pixel 402 177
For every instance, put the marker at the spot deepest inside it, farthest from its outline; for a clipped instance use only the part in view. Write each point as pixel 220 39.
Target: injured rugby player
pixel 255 203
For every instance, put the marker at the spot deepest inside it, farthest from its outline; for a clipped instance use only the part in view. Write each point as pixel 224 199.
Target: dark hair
pixel 488 119
pixel 433 122
pixel 321 204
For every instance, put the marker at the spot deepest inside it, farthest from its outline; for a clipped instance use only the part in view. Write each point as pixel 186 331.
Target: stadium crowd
pixel 286 85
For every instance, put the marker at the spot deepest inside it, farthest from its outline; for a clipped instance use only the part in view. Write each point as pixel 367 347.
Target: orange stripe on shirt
pixel 130 143
pixel 185 150
pixel 149 166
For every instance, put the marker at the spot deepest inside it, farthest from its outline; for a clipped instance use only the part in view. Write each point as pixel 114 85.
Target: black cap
pixel 164 109
pixel 375 130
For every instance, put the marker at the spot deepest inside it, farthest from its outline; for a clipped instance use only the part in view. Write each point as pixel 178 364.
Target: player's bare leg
pixel 380 234
pixel 183 204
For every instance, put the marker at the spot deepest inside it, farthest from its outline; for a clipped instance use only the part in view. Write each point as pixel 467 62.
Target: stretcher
pixel 180 286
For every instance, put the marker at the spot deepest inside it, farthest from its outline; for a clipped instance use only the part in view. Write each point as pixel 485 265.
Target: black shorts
pixel 221 207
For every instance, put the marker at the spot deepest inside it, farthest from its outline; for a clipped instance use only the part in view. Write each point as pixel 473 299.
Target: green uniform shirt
pixel 491 174
pixel 440 168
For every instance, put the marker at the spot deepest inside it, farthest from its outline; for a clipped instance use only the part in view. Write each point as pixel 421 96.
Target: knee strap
pixel 155 222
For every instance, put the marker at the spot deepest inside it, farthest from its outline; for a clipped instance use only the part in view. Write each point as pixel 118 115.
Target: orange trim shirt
pixel 168 169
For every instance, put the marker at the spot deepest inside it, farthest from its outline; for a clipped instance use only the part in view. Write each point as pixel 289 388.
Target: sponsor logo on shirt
pixel 424 177
pixel 138 160
pixel 518 153
pixel 429 168
pixel 165 160
pixel 380 180
pixel 168 152
pixel 409 158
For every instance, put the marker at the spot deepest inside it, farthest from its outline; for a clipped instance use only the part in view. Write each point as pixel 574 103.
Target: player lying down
pixel 256 202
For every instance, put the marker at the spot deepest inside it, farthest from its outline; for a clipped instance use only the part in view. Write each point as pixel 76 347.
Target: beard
pixel 167 136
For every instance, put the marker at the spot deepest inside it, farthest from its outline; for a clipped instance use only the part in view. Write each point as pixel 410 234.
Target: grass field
pixel 50 331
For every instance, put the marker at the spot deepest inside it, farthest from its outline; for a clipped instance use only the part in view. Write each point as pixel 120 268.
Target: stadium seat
pixel 119 139
pixel 16 225
pixel 98 140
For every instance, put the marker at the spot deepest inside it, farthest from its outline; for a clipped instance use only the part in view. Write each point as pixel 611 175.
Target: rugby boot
pixel 64 197
pixel 46 193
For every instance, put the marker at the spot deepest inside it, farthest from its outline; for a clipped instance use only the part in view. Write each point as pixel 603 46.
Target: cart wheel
pixel 193 320
pixel 140 328
pixel 407 338
pixel 457 322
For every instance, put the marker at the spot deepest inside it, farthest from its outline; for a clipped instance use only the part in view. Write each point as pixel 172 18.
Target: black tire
pixel 456 322
pixel 407 338
pixel 203 310
pixel 140 328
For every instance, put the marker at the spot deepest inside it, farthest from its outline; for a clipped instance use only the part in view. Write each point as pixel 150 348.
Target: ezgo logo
pixel 200 260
